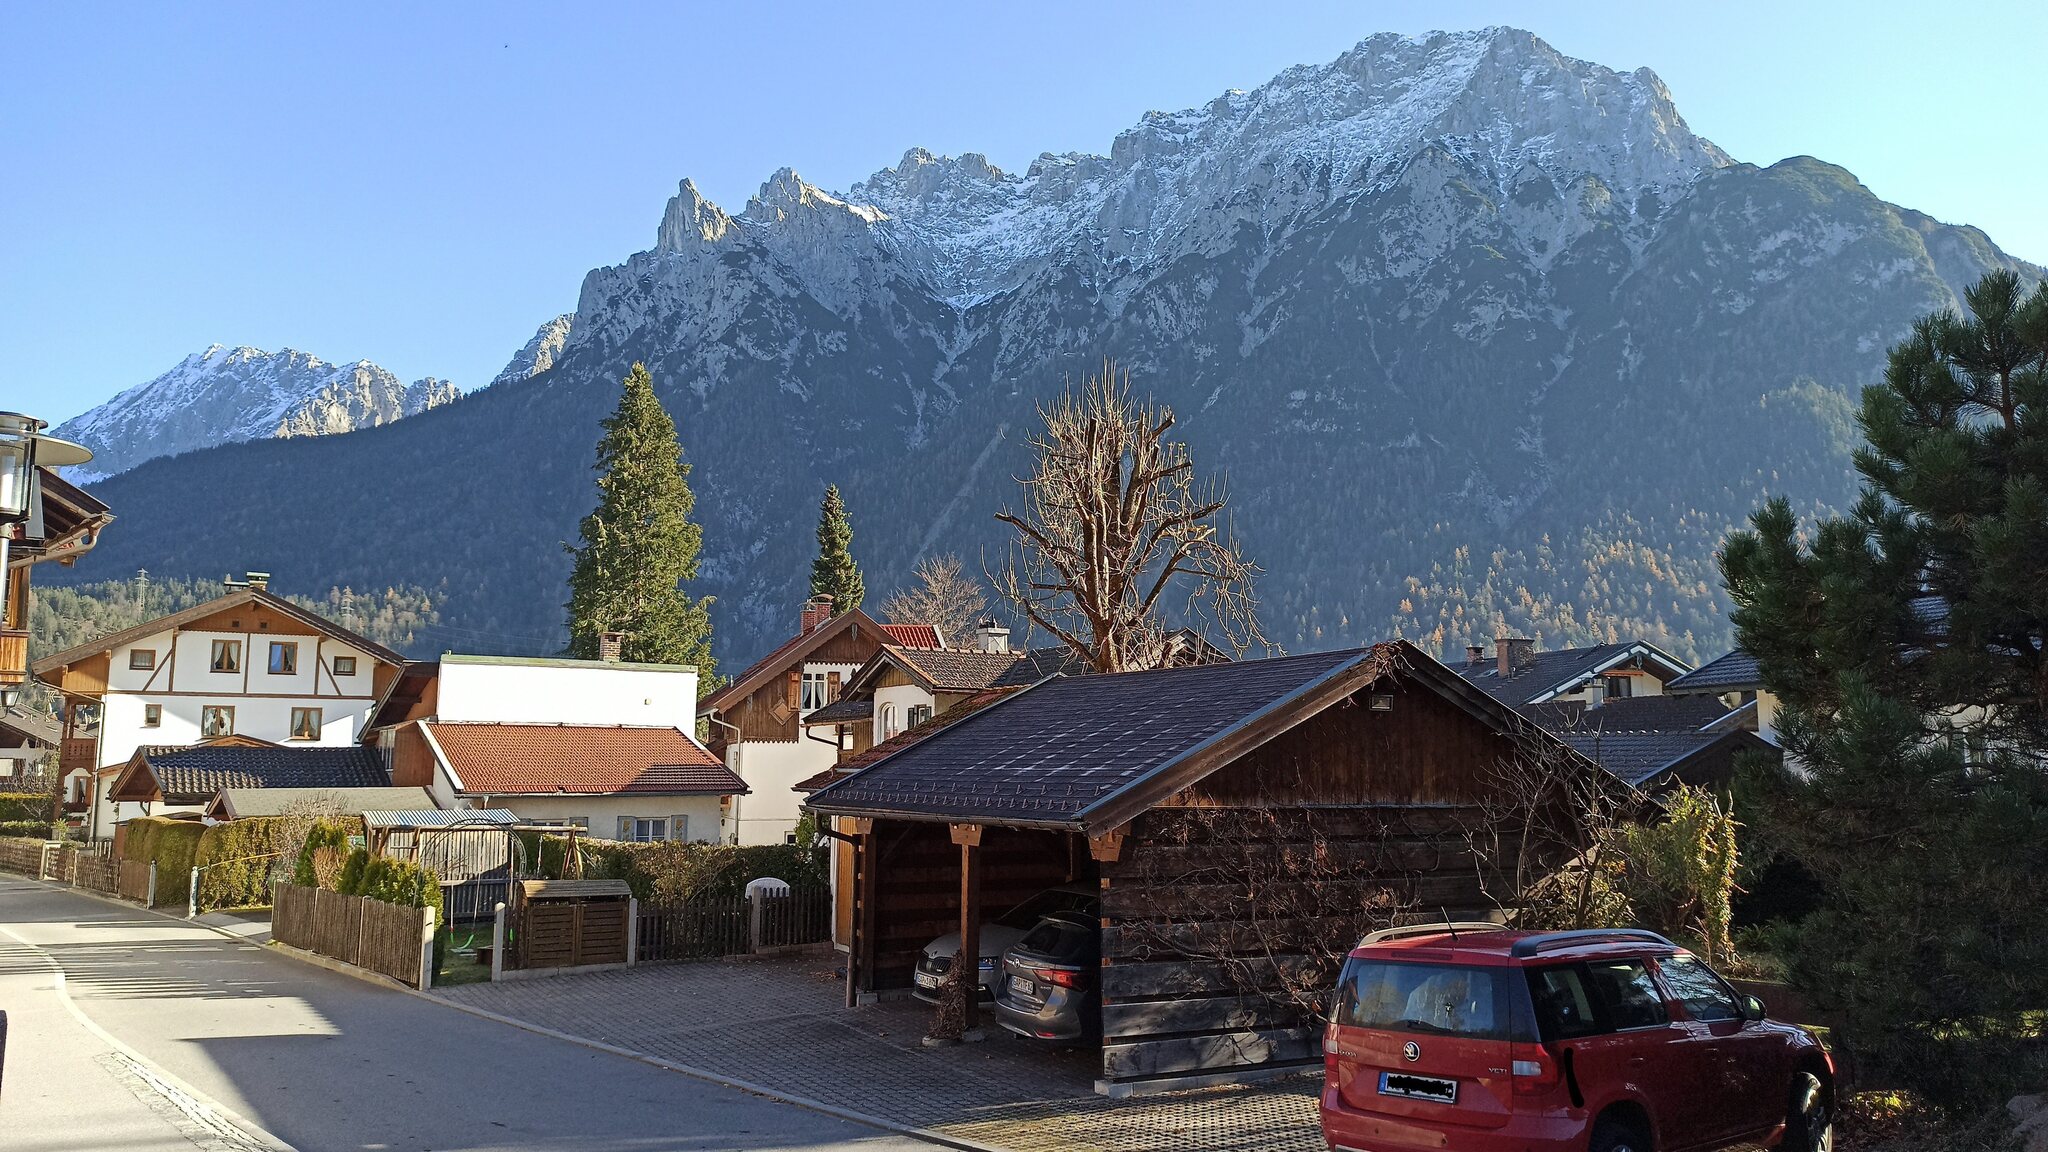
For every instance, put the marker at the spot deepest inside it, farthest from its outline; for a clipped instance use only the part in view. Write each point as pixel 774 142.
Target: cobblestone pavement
pixel 781 1024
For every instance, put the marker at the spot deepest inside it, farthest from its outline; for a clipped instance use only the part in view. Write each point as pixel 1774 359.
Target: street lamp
pixel 23 448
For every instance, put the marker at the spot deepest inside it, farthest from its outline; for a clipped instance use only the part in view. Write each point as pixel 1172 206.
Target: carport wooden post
pixel 860 957
pixel 968 837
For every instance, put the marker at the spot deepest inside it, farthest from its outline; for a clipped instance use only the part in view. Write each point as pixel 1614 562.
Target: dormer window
pixel 891 724
pixel 1618 687
pixel 919 713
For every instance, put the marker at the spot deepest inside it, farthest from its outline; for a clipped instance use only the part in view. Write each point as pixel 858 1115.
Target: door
pixel 1737 1062
pixel 1609 1022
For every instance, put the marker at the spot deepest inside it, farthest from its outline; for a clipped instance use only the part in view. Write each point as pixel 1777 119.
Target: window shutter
pixel 796 689
pixel 679 828
pixel 831 687
pixel 625 827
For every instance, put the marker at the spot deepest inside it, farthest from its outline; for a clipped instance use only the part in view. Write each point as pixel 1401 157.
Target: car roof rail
pixel 1544 942
pixel 1433 928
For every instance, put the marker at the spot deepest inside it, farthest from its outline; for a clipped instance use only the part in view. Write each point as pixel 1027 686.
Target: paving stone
pixel 782 1024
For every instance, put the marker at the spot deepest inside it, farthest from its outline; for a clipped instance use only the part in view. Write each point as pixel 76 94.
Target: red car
pixel 1474 1038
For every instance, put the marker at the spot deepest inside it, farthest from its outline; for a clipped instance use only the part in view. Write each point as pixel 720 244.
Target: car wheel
pixel 1809 1123
pixel 1613 1134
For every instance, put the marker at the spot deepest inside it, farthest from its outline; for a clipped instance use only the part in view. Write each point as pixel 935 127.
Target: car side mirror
pixel 1753 1008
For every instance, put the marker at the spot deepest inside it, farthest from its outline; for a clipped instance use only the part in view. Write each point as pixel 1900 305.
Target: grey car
pixel 996 938
pixel 1049 986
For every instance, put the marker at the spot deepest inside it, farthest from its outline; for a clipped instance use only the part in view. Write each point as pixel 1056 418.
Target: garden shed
pixel 1244 823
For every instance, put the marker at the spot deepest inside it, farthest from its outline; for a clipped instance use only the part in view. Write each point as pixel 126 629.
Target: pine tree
pixel 639 544
pixel 834 573
pixel 1908 641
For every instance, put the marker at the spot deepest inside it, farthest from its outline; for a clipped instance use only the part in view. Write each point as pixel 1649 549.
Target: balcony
pixel 76 753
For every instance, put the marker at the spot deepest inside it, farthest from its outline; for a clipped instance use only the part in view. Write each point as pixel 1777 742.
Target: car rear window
pixel 1058 939
pixel 1432 999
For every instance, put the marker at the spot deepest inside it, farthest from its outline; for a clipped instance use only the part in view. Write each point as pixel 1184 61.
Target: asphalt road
pixel 163 1037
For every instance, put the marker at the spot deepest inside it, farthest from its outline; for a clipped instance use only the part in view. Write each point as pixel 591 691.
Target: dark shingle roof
pixel 1545 671
pixel 1640 757
pixel 1051 754
pixel 1039 663
pixel 1631 714
pixel 191 775
pixel 842 711
pixel 1736 671
pixel 956 669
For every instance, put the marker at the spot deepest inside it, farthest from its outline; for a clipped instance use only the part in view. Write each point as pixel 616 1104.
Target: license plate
pixel 1022 986
pixel 1418 1087
pixel 925 979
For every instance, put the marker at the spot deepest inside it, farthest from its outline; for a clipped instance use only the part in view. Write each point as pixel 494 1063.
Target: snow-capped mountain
pixel 1480 335
pixel 539 353
pixel 230 394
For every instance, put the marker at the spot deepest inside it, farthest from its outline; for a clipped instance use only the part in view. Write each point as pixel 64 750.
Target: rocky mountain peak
pixel 690 221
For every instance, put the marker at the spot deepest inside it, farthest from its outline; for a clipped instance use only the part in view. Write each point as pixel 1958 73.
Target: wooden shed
pixel 573 923
pixel 1243 822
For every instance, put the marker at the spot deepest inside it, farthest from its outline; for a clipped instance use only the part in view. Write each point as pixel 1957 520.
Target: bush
pixel 324 835
pixel 350 882
pixel 237 859
pixel 671 872
pixel 26 808
pixel 172 845
pixel 1680 877
pixel 31 829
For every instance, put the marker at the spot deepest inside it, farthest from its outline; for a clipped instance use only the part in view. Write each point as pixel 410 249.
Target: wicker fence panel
pixel 133 881
pixel 94 872
pixel 22 855
pixel 391 940
pixel 383 938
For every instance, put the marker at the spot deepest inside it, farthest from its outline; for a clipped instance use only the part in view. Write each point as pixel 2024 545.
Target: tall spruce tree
pixel 1906 640
pixel 639 544
pixel 834 573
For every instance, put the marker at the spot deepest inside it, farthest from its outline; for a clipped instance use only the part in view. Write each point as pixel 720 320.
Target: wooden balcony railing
pixel 13 656
pixel 78 752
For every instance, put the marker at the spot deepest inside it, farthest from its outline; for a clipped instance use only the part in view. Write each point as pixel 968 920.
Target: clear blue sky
pixel 422 185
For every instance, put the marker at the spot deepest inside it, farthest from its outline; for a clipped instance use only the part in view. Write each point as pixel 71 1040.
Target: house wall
pixel 902 697
pixel 567 692
pixel 603 812
pixel 770 809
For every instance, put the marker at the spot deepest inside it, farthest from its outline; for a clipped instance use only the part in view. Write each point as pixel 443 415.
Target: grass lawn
pixel 458 960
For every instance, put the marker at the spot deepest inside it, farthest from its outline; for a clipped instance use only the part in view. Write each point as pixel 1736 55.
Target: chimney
pixel 1475 655
pixel 990 636
pixel 817 610
pixel 1513 653
pixel 608 645
pixel 260 581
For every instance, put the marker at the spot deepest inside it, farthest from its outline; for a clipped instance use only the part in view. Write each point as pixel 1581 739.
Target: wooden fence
pixel 18 854
pixel 132 882
pixel 709 927
pixel 92 871
pixel 389 939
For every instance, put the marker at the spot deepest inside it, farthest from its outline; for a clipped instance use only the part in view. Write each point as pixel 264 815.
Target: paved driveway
pixel 780 1024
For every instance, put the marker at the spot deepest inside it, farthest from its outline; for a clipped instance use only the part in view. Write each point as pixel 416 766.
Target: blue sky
pixel 423 185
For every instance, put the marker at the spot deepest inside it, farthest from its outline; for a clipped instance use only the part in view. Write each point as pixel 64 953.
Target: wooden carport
pixel 1227 813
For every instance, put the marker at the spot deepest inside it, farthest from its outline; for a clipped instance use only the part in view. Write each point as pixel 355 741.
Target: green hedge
pixel 172 845
pixel 670 872
pixel 237 859
pixel 332 834
pixel 32 829
pixel 25 808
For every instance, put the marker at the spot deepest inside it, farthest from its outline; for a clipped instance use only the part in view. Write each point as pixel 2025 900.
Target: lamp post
pixel 23 448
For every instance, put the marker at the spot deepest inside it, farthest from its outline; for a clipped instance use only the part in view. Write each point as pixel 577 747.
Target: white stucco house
pixel 244 664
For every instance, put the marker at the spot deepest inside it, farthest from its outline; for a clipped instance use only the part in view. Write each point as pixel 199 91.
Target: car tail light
pixel 1063 977
pixel 1536 1072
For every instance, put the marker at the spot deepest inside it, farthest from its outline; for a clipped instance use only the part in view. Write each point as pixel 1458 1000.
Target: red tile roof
pixel 541 759
pixel 912 635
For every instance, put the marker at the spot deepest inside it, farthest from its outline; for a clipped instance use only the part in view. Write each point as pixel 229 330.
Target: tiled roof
pixel 41 728
pixel 1631 714
pixel 1545 671
pixel 913 635
pixel 541 759
pixel 1039 663
pixel 1053 753
pixel 193 774
pixel 842 711
pixel 957 669
pixel 1640 757
pixel 1734 672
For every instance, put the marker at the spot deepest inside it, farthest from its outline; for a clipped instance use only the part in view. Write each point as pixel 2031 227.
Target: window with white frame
pixel 648 829
pixel 891 724
pixel 813 695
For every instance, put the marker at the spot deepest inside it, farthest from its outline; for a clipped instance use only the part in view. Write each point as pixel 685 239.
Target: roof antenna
pixel 1448 925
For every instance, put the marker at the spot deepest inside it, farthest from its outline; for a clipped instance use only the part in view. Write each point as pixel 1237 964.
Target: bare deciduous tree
pixel 1114 523
pixel 1547 837
pixel 945 597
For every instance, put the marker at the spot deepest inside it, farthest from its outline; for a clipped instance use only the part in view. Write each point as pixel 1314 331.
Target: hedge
pixel 26 808
pixel 172 845
pixel 237 859
pixel 393 882
pixel 324 834
pixel 669 871
pixel 32 829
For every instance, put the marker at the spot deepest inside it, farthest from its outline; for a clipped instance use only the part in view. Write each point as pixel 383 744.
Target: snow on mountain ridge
pixel 226 394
